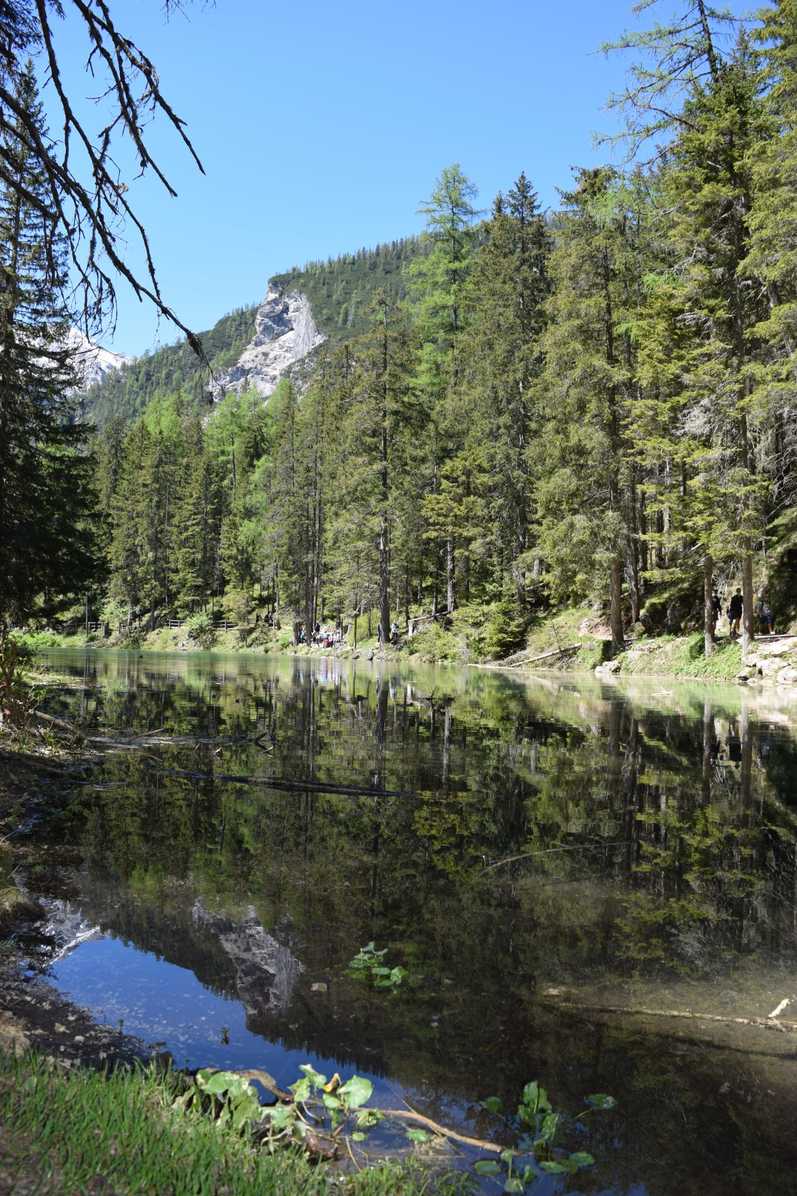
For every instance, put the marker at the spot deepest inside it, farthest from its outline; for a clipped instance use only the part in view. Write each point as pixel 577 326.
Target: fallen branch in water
pixel 764 1023
pixel 419 1119
pixel 60 723
pixel 290 786
pixel 269 1083
pixel 527 855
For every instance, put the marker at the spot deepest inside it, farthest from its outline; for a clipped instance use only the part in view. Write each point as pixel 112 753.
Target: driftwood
pixel 419 1119
pixel 521 660
pixel 764 1023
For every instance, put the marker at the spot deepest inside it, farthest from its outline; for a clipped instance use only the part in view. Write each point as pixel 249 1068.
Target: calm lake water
pixel 551 847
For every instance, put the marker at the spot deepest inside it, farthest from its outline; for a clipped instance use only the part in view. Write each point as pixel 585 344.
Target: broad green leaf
pixel 493 1104
pixel 418 1135
pixel 368 1117
pixel 220 1081
pixel 507 1155
pixel 487 1167
pixel 555 1168
pixel 331 1102
pixel 599 1100
pixel 356 1091
pixel 358 1136
pixel 302 1089
pixel 314 1076
pixel 513 1184
pixel 280 1116
pixel 582 1159
pixel 548 1128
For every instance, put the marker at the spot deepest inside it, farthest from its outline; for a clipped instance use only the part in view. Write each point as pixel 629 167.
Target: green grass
pixel 682 656
pixel 60 1130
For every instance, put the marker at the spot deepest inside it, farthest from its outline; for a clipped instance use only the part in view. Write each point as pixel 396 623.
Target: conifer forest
pixel 519 408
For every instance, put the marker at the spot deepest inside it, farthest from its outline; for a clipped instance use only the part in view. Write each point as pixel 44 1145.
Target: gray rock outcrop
pixel 285 333
pixel 92 362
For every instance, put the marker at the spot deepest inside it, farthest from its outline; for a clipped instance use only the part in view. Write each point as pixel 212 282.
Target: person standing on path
pixel 735 613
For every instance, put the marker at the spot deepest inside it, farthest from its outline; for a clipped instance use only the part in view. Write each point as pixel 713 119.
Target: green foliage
pixel 368 965
pixel 48 541
pixel 536 1125
pixel 199 628
pixel 512 411
pixel 173 370
pixel 135 1131
pixel 341 291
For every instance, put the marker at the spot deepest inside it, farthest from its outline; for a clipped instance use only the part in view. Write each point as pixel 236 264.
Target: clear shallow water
pixel 656 836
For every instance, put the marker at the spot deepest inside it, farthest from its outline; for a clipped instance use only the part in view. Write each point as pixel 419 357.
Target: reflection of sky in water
pixel 160 1002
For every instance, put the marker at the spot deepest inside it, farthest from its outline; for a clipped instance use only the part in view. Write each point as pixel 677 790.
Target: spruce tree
pixel 503 357
pixel 47 538
pixel 588 385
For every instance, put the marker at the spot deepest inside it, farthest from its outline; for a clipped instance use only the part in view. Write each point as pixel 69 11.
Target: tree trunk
pixel 616 608
pixel 708 605
pixel 450 574
pixel 384 581
pixel 748 626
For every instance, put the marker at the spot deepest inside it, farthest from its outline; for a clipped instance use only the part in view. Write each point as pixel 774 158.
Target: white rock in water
pixel 285 332
pixel 92 362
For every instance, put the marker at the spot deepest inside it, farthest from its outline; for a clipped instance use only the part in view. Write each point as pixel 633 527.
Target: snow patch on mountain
pixel 92 362
pixel 285 332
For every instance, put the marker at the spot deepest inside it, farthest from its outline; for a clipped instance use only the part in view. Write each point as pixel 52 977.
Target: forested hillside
pixel 124 393
pixel 340 291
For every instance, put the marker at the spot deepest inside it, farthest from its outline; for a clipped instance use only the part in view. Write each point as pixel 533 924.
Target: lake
pixel 536 853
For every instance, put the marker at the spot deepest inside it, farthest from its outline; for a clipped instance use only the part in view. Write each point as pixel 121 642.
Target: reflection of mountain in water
pixel 238 958
pixel 265 971
pixel 64 928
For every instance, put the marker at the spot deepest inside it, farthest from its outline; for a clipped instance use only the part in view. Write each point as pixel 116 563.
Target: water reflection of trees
pixel 669 834
pixel 654 841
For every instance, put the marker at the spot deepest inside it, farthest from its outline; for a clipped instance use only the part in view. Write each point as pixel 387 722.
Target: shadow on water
pixel 559 848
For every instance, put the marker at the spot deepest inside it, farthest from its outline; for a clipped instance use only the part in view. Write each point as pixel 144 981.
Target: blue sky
pixel 323 126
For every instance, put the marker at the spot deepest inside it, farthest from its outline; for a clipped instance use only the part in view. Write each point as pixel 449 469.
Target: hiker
pixel 380 636
pixel 394 633
pixel 716 612
pixel 764 613
pixel 735 613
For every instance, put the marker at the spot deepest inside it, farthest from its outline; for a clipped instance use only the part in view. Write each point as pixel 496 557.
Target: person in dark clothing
pixel 735 613
pixel 764 616
pixel 716 611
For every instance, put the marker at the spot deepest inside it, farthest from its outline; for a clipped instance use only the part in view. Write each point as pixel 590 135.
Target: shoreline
pixel 768 668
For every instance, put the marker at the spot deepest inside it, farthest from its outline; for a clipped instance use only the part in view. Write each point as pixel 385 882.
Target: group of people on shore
pixel 322 637
pixel 735 610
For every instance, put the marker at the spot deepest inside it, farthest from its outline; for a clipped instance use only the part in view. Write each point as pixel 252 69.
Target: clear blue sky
pixel 322 126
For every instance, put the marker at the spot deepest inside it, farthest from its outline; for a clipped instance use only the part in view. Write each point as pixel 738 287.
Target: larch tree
pixel 438 282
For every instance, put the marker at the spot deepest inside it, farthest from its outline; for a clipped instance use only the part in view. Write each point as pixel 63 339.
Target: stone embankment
pixel 772 659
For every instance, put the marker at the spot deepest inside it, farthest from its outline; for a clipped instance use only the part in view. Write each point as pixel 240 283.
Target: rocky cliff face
pixel 285 333
pixel 92 361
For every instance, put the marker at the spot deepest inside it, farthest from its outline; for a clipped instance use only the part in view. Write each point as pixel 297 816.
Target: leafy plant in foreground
pixel 536 1124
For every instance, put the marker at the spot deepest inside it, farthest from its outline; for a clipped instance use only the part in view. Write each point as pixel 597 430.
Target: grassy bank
pixel 82 1131
pixel 574 640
